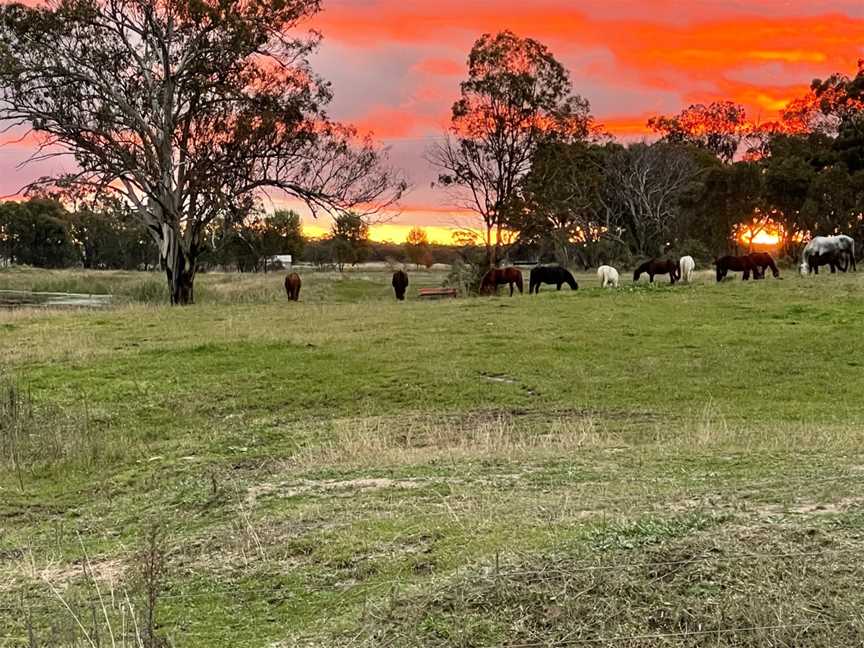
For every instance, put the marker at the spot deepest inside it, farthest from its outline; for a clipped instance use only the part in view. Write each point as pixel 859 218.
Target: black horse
pixel 656 266
pixel 748 264
pixel 400 284
pixel 551 275
pixel 835 260
pixel 761 262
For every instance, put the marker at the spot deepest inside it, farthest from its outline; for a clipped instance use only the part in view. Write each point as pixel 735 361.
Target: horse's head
pixel 804 268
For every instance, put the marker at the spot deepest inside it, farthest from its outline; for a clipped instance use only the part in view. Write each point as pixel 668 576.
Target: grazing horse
pixel 400 284
pixel 832 259
pixel 292 286
pixel 608 276
pixel 686 266
pixel 842 247
pixel 500 276
pixel 550 275
pixel 736 264
pixel 654 267
pixel 762 261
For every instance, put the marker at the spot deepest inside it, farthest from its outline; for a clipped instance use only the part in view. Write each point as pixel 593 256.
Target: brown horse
pixel 292 286
pixel 400 284
pixel 498 277
pixel 654 267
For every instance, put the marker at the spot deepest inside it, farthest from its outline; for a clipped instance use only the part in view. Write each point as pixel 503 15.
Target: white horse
pixel 608 276
pixel 821 249
pixel 687 265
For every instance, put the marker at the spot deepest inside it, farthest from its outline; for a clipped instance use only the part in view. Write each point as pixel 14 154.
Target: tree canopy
pixel 517 97
pixel 187 109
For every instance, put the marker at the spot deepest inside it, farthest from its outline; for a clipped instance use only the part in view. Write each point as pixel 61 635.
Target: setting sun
pixel 389 233
pixel 766 238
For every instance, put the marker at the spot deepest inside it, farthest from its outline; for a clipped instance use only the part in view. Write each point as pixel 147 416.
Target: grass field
pixel 653 466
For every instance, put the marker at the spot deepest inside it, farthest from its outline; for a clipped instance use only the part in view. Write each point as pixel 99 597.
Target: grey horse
pixel 841 247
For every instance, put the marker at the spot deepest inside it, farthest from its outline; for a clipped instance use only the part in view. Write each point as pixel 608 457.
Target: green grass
pixel 349 470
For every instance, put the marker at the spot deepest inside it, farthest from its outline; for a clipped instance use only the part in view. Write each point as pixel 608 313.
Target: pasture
pixel 647 466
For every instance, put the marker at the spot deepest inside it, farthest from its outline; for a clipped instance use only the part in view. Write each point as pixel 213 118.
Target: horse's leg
pixel 559 286
pixel 651 276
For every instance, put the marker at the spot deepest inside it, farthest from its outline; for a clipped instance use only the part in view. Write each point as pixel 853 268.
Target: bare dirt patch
pixel 60 575
pixel 813 508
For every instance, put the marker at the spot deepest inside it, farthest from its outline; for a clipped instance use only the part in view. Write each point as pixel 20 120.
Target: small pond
pixel 24 298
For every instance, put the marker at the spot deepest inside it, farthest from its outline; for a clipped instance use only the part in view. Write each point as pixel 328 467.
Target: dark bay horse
pixel 736 264
pixel 656 266
pixel 550 275
pixel 498 277
pixel 400 284
pixel 292 286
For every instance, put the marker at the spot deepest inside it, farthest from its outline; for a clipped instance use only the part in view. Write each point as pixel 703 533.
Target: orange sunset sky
pixel 395 67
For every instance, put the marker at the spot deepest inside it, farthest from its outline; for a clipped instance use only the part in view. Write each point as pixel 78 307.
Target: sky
pixel 396 65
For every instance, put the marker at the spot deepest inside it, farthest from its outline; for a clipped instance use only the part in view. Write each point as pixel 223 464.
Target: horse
pixel 500 276
pixel 761 261
pixel 686 266
pixel 834 260
pixel 842 247
pixel 292 286
pixel 550 275
pixel 743 264
pixel 608 276
pixel 400 284
pixel 654 267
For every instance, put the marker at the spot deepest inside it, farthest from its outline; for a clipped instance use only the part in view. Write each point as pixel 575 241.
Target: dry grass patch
pixel 416 439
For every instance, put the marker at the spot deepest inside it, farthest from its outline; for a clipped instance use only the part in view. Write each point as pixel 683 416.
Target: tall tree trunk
pixel 180 267
pixel 491 260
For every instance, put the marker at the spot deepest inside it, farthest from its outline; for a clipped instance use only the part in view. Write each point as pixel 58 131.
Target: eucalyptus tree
pixel 188 109
pixel 644 185
pixel 517 97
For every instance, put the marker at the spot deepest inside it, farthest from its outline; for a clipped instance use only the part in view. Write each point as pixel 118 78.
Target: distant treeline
pixel 44 234
pixel 41 232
